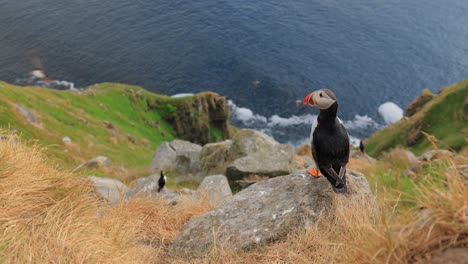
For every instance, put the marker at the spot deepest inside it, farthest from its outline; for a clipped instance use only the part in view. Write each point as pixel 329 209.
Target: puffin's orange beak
pixel 307 99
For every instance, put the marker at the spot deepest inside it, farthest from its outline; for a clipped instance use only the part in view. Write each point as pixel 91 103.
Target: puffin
pixel 329 140
pixel 361 146
pixel 161 181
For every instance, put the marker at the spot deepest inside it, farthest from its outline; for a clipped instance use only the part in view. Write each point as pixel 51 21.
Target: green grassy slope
pixel 85 117
pixel 442 117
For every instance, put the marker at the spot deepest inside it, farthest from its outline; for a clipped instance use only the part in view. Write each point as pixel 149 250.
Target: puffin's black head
pixel 323 98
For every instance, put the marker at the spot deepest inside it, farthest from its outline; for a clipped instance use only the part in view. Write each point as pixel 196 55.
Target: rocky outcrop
pixel 113 191
pixel 418 103
pixel 200 119
pixel 147 187
pixel 178 156
pixel 265 212
pixel 254 153
pixel 215 187
pixel 214 157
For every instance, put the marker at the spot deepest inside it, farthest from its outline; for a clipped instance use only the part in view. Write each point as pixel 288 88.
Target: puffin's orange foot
pixel 314 172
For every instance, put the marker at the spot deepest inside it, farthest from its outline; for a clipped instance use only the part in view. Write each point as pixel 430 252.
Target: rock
pixel 28 114
pixel 109 189
pixel 265 212
pixel 359 155
pixel 254 153
pixel 412 170
pixel 214 156
pixel 195 118
pixel 216 187
pixel 179 156
pixel 99 162
pixel 435 154
pixel 164 157
pixel 275 164
pixel 148 187
pixel 451 256
pixel 66 140
pixel 418 103
pixel 248 141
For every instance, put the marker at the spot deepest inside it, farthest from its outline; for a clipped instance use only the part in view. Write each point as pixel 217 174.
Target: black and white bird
pixel 329 140
pixel 161 181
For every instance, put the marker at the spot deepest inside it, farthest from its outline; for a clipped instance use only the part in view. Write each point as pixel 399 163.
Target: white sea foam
pixel 245 115
pixel 181 95
pixel 390 112
pixel 361 122
pixel 276 120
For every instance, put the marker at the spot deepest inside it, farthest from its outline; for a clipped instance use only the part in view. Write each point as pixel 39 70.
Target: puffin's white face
pixel 322 98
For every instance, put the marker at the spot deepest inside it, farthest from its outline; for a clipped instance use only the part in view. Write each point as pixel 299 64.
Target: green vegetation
pixel 444 117
pixel 125 123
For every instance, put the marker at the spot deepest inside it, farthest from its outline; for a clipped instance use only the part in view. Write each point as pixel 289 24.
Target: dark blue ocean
pixel 263 55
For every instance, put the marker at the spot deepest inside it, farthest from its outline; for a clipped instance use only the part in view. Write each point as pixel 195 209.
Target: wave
pixel 390 112
pixel 281 127
pixel 54 84
pixel 179 95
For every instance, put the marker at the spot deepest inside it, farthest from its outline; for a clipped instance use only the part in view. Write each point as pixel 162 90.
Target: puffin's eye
pixel 321 95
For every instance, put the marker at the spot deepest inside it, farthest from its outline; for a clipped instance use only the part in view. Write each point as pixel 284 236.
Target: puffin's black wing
pixel 330 150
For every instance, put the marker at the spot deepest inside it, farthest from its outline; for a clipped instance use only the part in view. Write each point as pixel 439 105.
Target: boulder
pixel 179 156
pixel 109 189
pixel 435 154
pixel 28 114
pixel 147 187
pixel 215 187
pixel 265 212
pixel 274 164
pixel 66 140
pixel 98 162
pixel 164 157
pixel 254 153
pixel 248 141
pixel 214 156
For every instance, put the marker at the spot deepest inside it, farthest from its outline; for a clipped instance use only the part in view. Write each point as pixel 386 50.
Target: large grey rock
pixel 248 141
pixel 147 187
pixel 265 212
pixel 28 114
pixel 98 162
pixel 254 153
pixel 179 156
pixel 214 157
pixel 275 164
pixel 216 187
pixel 108 189
pixel 164 157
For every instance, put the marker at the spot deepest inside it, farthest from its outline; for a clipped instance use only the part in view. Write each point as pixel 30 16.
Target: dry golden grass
pixel 47 216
